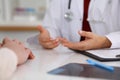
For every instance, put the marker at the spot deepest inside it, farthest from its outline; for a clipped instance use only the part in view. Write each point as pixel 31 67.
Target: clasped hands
pixel 18 48
pixel 92 41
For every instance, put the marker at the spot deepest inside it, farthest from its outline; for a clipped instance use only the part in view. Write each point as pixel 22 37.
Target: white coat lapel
pixel 101 4
pixel 96 9
pixel 77 8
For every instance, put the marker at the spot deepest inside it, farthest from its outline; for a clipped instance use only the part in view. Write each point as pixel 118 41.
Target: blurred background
pixel 22 14
pixel 19 18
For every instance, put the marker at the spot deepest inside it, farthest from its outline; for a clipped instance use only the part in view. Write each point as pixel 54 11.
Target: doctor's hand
pixel 92 41
pixel 19 49
pixel 45 40
pixel 0 45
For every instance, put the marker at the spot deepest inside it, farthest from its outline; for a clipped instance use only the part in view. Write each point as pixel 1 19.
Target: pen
pixel 100 65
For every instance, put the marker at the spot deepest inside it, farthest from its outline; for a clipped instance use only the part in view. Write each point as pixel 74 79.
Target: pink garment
pixel 8 63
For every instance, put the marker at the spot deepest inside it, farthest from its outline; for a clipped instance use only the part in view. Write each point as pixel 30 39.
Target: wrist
pixel 107 43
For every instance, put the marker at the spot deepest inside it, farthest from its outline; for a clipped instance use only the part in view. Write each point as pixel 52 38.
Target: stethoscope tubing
pixel 69 4
pixel 69 15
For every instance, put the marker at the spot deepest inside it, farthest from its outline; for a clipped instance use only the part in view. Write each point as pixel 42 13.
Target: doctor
pixel 65 19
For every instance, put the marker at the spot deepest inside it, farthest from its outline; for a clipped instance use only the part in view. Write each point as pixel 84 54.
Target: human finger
pixel 86 34
pixel 63 40
pixel 5 40
pixel 40 28
pixel 18 42
pixel 51 44
pixel 15 40
pixel 75 46
pixel 44 39
pixel 30 54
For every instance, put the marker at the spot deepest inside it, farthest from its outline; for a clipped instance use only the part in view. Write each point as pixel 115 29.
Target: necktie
pixel 85 26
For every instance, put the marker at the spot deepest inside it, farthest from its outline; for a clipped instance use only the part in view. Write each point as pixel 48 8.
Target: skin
pixel 45 40
pixel 0 45
pixel 92 41
pixel 19 48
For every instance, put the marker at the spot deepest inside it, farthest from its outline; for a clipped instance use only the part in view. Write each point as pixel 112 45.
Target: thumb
pixel 85 34
pixel 41 29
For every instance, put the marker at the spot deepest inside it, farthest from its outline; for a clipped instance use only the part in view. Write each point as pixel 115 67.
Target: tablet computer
pixel 87 71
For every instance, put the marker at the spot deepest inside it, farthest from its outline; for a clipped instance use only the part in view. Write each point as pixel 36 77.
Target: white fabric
pixel 104 19
pixel 8 63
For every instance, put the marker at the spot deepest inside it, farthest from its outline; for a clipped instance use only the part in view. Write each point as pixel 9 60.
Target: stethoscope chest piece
pixel 68 16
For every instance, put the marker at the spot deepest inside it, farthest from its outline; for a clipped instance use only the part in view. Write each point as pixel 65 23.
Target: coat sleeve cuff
pixel 115 39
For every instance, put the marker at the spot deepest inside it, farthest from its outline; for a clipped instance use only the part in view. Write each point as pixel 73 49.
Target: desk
pixel 47 60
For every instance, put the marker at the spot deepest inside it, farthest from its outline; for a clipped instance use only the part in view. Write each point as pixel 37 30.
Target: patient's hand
pixel 19 48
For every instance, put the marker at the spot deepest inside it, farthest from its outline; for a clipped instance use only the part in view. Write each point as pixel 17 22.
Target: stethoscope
pixel 69 14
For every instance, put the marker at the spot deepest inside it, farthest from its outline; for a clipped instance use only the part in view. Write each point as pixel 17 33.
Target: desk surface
pixel 47 60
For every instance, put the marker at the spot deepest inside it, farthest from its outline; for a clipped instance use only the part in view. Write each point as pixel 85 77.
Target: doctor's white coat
pixel 103 16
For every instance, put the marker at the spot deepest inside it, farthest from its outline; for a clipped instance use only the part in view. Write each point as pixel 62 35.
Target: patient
pixel 12 54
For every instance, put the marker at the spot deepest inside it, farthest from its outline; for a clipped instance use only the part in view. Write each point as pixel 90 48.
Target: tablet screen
pixel 85 70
